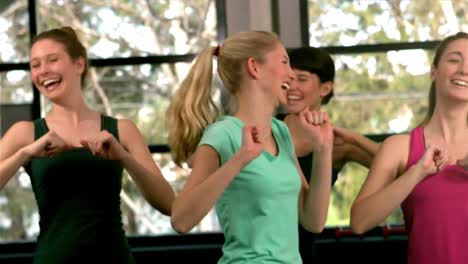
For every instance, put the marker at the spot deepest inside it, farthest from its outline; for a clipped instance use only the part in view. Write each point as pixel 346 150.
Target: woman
pixel 75 157
pixel 315 73
pixel 419 170
pixel 245 164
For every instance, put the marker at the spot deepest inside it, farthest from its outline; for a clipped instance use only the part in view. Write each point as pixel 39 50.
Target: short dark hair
pixel 317 61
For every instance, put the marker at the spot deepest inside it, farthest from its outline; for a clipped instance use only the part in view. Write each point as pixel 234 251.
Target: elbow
pixel 315 228
pixel 357 225
pixel 356 228
pixel 180 222
pixel 179 226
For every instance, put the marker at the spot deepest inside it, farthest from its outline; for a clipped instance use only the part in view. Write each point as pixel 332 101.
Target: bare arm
pixel 12 154
pixel 135 157
pixel 208 181
pixel 315 197
pixel 17 147
pixel 141 166
pixel 344 153
pixel 357 139
pixel 383 191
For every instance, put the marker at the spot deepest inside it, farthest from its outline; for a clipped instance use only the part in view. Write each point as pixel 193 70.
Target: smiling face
pixel 306 92
pixel 451 73
pixel 52 69
pixel 277 74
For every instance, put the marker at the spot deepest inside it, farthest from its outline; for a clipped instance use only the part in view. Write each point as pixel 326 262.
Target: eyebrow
pixel 455 53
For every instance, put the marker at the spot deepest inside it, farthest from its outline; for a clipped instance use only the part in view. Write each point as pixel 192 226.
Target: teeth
pixel 285 86
pixel 47 82
pixel 461 83
pixel 293 97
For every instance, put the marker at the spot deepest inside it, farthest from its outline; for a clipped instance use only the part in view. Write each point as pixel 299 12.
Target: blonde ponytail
pixel 192 108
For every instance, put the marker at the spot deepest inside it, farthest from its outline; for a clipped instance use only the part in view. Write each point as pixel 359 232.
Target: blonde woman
pixel 245 164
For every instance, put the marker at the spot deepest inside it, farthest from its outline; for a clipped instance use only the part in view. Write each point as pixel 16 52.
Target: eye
pixel 34 65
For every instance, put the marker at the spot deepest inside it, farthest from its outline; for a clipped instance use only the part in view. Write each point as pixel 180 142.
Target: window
pixel 382 52
pixel 139 52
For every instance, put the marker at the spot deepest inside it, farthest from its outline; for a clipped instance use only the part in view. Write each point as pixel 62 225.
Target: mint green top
pixel 258 211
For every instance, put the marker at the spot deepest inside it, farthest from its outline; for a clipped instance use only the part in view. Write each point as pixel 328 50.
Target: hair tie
pixel 216 51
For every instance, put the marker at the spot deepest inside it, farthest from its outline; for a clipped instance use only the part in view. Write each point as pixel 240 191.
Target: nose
pixel 292 74
pixel 464 67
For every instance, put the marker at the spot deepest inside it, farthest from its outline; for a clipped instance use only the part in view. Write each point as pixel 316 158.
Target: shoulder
pixel 226 126
pixel 396 141
pixel 127 128
pixel 21 130
pixel 18 135
pixel 395 148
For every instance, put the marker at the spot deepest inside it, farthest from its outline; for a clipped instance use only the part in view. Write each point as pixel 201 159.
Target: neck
pixel 449 122
pixel 73 112
pixel 254 109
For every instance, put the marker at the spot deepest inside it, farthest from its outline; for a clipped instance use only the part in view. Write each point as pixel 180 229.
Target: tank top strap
pixel 417 146
pixel 40 128
pixel 110 124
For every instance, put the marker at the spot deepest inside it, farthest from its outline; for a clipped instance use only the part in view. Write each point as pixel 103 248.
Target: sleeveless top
pixel 78 199
pixel 436 212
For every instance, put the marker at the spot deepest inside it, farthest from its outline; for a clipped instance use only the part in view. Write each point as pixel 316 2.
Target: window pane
pixel 375 93
pixel 385 92
pixel 141 93
pixel 15 87
pixel 14 31
pixel 19 218
pixel 145 220
pixel 347 23
pixel 135 28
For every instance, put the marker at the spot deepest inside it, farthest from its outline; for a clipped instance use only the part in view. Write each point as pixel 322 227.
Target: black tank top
pixel 79 205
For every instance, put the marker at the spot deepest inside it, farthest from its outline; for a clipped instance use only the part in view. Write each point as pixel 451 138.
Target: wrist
pixel 419 171
pixel 25 154
pixel 244 157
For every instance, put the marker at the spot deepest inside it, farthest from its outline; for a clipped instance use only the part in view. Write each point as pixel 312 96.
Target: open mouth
pixel 285 86
pixel 49 83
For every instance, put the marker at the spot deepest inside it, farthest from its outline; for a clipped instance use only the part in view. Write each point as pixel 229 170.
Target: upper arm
pixel 205 161
pixel 348 152
pixel 387 165
pixel 132 140
pixel 18 136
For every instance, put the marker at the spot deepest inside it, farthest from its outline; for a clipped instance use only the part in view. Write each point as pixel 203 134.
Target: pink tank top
pixel 436 212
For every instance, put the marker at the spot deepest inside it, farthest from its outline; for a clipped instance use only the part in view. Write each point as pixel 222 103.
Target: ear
pixel 326 88
pixel 80 65
pixel 252 69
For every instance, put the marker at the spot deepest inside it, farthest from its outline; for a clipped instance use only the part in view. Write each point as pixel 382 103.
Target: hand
pixel 252 141
pixel 48 145
pixel 104 145
pixel 318 125
pixel 433 160
pixel 463 163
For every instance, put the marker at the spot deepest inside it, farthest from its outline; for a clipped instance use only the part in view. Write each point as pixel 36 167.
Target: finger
pixel 309 117
pixel 316 118
pixel 320 116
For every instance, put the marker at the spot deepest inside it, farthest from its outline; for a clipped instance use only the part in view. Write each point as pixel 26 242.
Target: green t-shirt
pixel 258 211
